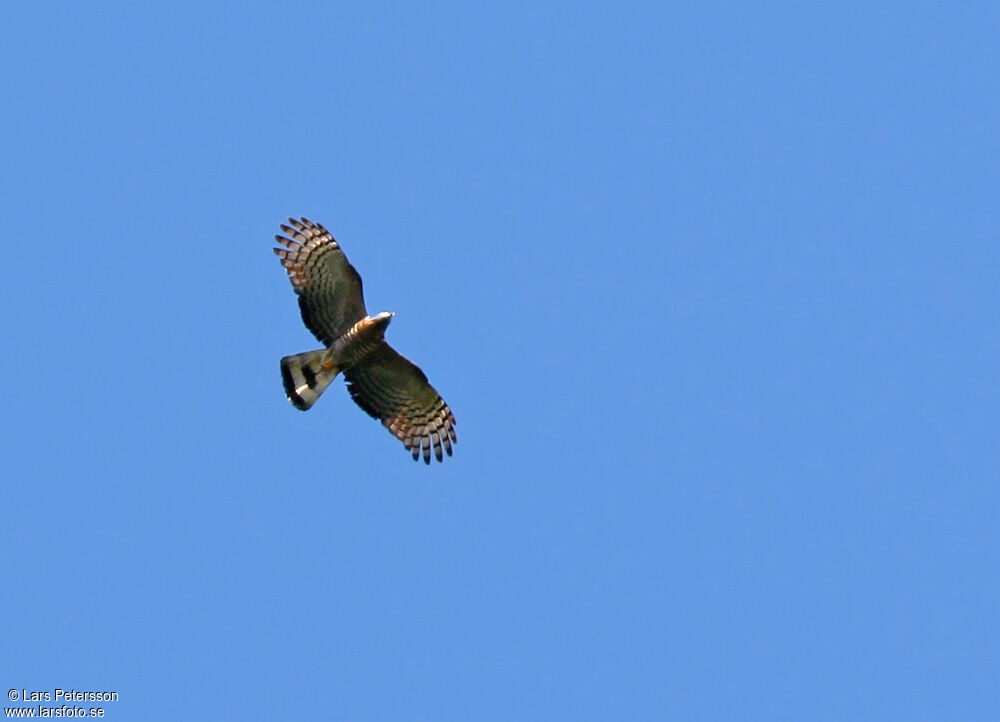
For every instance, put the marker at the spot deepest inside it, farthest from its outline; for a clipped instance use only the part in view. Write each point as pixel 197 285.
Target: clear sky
pixel 712 289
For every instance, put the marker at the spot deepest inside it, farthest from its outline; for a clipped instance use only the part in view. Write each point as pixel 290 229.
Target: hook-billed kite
pixel 383 383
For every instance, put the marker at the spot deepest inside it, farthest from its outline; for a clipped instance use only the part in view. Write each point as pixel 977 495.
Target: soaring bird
pixel 386 385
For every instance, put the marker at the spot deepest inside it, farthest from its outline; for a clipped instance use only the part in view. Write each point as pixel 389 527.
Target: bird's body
pixel 382 382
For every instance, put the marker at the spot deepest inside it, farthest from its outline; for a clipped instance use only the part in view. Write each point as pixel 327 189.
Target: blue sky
pixel 712 289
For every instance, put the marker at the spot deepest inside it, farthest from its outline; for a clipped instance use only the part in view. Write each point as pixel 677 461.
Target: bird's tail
pixel 306 376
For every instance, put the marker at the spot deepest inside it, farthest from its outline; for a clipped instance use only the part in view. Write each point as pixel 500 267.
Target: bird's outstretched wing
pixel 393 390
pixel 328 287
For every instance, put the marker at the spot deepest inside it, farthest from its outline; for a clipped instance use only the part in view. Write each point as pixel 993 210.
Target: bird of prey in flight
pixel 383 383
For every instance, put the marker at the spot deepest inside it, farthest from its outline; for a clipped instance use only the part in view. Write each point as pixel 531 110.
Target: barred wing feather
pixel 329 289
pixel 396 392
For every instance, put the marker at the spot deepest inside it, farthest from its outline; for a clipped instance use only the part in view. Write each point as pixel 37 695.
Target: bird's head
pixel 381 321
